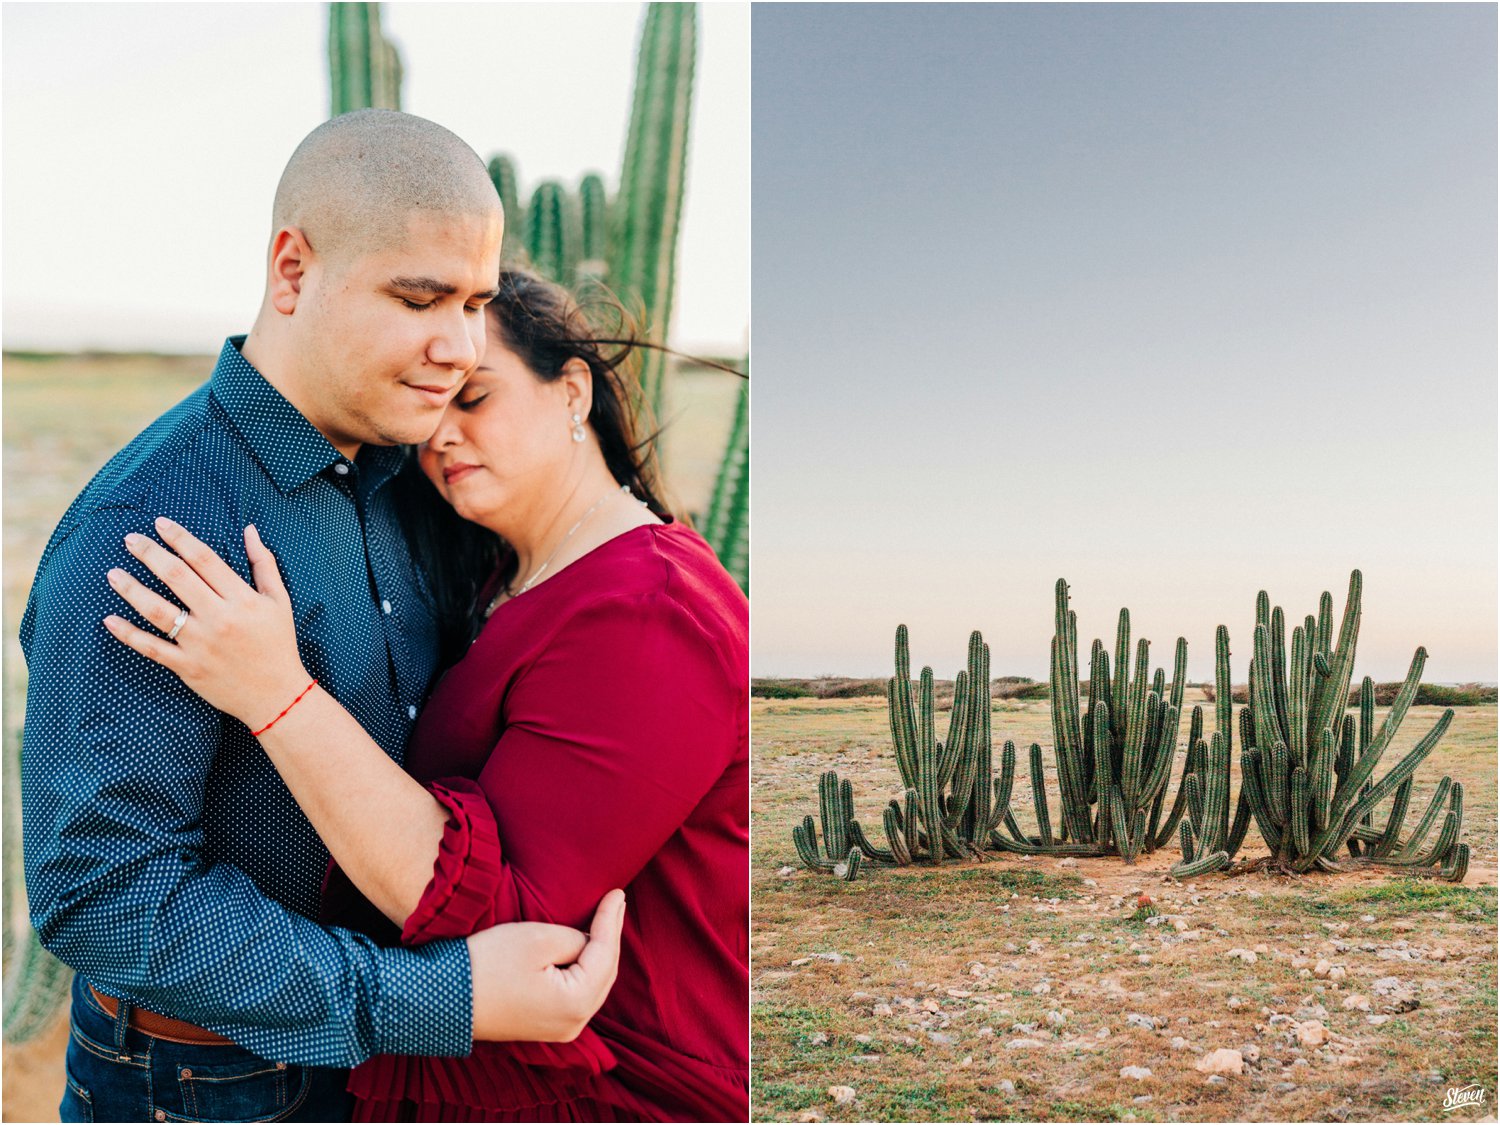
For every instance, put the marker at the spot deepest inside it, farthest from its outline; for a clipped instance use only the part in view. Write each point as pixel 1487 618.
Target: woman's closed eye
pixel 470 403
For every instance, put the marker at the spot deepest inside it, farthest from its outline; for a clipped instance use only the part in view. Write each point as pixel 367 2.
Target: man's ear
pixel 291 255
pixel 577 382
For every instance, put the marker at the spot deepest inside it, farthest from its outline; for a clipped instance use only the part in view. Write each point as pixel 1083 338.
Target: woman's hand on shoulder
pixel 232 643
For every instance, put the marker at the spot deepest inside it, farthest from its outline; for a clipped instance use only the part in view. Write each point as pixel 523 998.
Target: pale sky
pixel 142 144
pixel 1175 301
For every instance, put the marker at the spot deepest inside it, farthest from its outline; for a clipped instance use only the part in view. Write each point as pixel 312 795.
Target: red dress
pixel 595 736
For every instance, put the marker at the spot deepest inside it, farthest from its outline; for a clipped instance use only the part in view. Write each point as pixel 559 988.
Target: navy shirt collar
pixel 289 447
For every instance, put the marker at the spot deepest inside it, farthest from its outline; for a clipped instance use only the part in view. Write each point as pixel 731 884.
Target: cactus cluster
pixel 951 801
pixel 1307 765
pixel 1114 759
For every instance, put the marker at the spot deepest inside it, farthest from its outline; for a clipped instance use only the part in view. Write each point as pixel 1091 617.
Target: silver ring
pixel 177 623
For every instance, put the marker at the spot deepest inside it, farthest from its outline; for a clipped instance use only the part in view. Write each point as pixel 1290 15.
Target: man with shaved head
pixel 166 861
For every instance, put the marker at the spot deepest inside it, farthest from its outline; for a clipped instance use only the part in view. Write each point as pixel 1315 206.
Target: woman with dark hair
pixel 591 733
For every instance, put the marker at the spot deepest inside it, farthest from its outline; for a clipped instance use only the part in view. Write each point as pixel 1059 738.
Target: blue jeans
pixel 116 1073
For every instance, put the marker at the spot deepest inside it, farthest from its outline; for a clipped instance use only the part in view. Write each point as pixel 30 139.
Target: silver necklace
pixel 507 591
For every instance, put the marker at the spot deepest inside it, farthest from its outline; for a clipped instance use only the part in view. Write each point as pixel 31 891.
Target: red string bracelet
pixel 289 706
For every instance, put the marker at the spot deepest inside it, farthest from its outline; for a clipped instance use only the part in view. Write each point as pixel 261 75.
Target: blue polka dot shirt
pixel 165 859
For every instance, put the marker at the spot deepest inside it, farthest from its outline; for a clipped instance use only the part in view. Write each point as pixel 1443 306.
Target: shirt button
pixel 385 607
pixel 342 469
pixel 411 712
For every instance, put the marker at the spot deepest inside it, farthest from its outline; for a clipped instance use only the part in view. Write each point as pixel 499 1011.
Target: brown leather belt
pixel 160 1027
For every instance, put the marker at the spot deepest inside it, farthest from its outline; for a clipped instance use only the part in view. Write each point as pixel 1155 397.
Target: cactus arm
pixel 1340 829
pixel 805 836
pixel 1370 753
pixel 1301 839
pixel 1253 787
pixel 1386 841
pixel 1193 863
pixel 831 812
pixel 1240 826
pixel 1277 682
pixel 1039 796
pixel 593 213
pixel 1002 791
pixel 1335 692
pixel 1140 702
pixel 849 869
pixel 1297 700
pixel 1122 669
pixel 1458 866
pixel 876 857
pixel 895 834
pixel 1428 818
pixel 1179 803
pixel 929 805
pixel 956 746
pixel 1278 785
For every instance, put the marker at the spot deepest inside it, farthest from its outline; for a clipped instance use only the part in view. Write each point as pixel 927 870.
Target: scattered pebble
pixel 842 1095
pixel 1139 1073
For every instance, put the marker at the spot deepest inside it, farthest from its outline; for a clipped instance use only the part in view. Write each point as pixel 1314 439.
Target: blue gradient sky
pixel 1177 301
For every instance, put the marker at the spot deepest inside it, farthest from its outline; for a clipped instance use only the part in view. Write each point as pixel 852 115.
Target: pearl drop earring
pixel 577 428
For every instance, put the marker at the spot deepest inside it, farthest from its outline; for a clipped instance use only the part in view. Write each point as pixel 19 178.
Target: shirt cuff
pixel 426 1001
pixel 468 873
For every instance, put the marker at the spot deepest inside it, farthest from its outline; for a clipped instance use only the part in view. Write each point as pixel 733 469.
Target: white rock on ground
pixel 1311 1033
pixel 1139 1073
pixel 1226 1060
pixel 843 1095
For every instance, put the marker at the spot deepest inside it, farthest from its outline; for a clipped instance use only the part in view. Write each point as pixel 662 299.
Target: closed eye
pixel 470 404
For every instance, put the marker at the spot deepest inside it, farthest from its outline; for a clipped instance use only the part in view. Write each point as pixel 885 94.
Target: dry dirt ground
pixel 1022 989
pixel 64 416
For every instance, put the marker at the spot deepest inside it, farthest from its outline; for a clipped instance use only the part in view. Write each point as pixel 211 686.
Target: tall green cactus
pixel 1209 840
pixel 643 251
pixel 727 526
pixel 1309 766
pixel 364 67
pixel 629 243
pixel 1114 760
